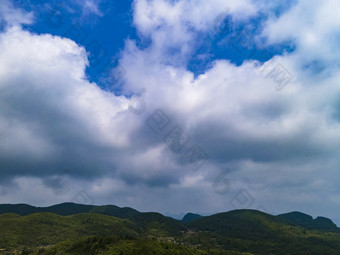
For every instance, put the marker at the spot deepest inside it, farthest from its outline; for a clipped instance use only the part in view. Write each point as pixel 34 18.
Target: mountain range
pixel 70 228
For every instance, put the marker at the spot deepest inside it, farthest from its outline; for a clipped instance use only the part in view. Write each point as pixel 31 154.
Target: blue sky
pixel 99 26
pixel 171 106
pixel 103 30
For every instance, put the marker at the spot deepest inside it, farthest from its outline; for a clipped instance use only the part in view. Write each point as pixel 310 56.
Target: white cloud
pixel 48 104
pixel 155 15
pixel 13 16
pixel 312 26
pixel 172 25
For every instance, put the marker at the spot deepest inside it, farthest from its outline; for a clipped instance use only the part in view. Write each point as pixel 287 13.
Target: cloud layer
pixel 275 125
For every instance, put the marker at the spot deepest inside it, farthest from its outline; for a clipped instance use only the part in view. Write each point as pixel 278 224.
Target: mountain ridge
pixel 237 232
pixel 70 208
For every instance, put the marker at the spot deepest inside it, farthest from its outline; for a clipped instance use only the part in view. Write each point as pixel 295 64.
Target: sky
pixel 171 106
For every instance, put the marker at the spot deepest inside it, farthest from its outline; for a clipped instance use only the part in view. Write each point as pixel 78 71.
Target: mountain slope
pixel 47 228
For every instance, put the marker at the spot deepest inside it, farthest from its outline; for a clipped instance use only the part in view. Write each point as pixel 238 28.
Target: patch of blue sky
pixel 102 33
pixel 236 42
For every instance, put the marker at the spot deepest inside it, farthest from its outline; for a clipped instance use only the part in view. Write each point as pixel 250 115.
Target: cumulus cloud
pixel 173 25
pixel 278 141
pixel 236 113
pixel 50 112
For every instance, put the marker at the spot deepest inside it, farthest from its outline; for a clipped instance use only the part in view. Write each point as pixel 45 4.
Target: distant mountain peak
pixel 189 217
pixel 307 221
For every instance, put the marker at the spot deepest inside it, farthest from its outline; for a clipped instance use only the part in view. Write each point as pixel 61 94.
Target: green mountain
pixel 260 233
pixel 66 209
pixel 238 232
pixel 189 217
pixel 307 221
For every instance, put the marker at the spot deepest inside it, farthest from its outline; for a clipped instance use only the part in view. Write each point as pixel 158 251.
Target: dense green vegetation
pixel 260 233
pixel 239 232
pixel 117 246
